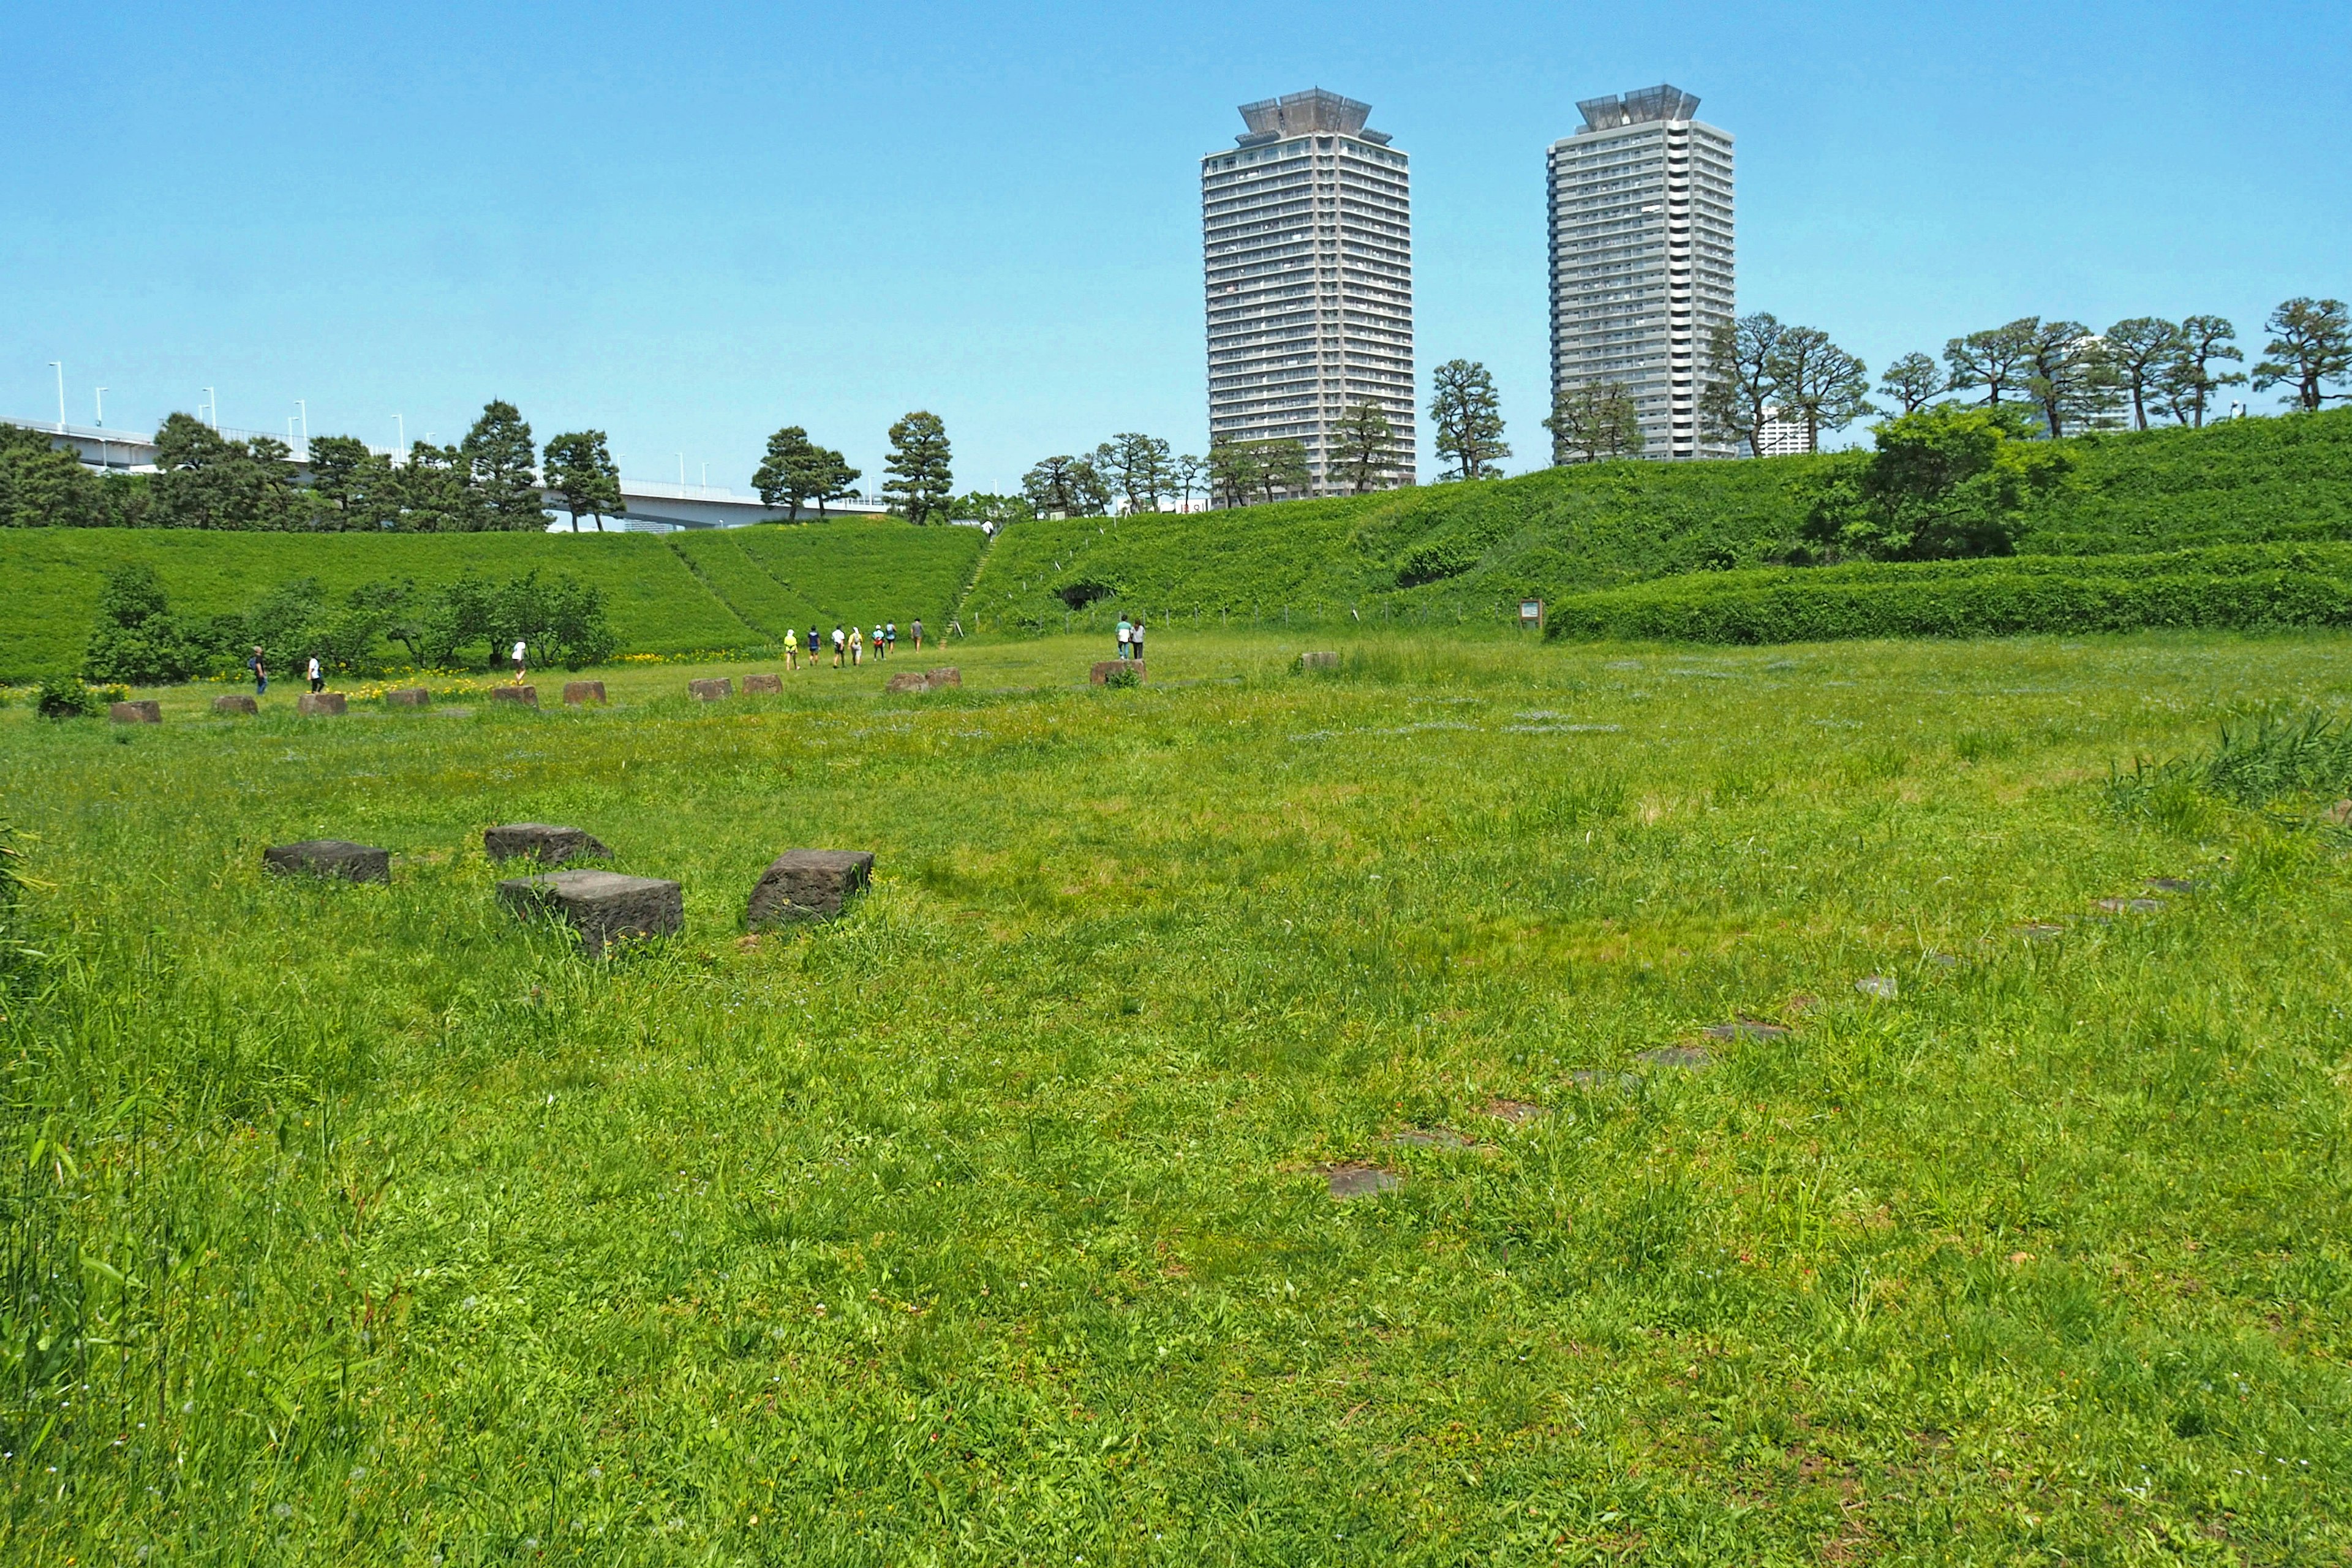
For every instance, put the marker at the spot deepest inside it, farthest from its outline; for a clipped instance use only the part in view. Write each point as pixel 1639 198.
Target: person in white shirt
pixel 318 676
pixel 517 656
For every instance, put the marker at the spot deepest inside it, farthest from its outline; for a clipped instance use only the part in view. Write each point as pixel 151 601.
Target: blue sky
pixel 690 224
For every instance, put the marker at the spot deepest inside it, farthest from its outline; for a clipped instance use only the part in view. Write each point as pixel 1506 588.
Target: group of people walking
pixel 259 665
pixel 1130 637
pixel 850 644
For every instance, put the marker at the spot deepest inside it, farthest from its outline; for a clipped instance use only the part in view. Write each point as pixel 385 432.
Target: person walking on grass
pixel 1126 637
pixel 813 645
pixel 260 667
pixel 791 650
pixel 1135 638
pixel 875 642
pixel 918 629
pixel 318 677
pixel 857 648
pixel 517 656
pixel 840 646
pixel 891 637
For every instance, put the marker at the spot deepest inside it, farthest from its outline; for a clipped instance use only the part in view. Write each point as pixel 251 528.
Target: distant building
pixel 1782 436
pixel 1307 241
pixel 1642 258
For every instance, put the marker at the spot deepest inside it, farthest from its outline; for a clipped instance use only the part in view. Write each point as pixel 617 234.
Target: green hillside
pixel 1453 550
pixel 673 594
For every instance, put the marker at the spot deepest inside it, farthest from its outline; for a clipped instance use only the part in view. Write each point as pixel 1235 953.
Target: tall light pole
pixel 59 366
pixel 681 459
pixel 101 429
pixel 401 456
pixel 212 401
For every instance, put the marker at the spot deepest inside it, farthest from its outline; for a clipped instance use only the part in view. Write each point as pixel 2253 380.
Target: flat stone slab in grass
pixel 1102 672
pixel 1687 1057
pixel 2173 885
pixel 2131 906
pixel 910 681
pixel 1428 1138
pixel 808 885
pixel 1352 1180
pixel 543 842
pixel 945 675
pixel 409 697
pixel 604 907
pixel 763 685
pixel 145 711
pixel 329 857
pixel 1945 960
pixel 236 702
pixel 311 703
pixel 1876 985
pixel 523 696
pixel 1516 1111
pixel 2039 930
pixel 576 692
pixel 1744 1029
pixel 1319 660
pixel 710 690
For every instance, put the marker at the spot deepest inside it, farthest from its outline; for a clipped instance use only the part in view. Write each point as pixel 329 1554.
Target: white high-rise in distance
pixel 1306 240
pixel 1642 258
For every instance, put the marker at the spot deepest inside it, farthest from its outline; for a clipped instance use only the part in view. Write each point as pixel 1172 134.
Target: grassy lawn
pixel 995 1221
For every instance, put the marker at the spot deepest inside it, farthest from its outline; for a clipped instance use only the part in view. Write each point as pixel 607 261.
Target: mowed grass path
pixel 356 1225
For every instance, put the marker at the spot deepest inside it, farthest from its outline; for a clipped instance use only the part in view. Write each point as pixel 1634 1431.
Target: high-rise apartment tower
pixel 1306 240
pixel 1640 259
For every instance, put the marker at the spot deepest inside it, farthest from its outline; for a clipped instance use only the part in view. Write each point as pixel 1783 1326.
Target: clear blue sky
pixel 690 224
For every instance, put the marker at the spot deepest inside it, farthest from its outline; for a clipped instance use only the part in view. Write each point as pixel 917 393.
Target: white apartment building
pixel 1642 258
pixel 1307 242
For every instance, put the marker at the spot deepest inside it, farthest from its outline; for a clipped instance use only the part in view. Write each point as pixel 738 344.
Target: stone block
pixel 523 696
pixel 604 907
pixel 311 703
pixel 763 685
pixel 710 690
pixel 1324 661
pixel 1102 672
pixel 409 697
pixel 946 675
pixel 910 681
pixel 576 692
pixel 145 711
pixel 329 857
pixel 808 885
pixel 236 702
pixel 543 842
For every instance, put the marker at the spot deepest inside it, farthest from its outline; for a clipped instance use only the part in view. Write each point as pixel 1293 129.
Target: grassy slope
pixel 725 599
pixel 1577 529
pixel 981 1225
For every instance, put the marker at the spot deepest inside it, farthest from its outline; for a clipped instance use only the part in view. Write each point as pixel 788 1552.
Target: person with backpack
pixel 791 650
pixel 891 637
pixel 840 646
pixel 876 642
pixel 857 647
pixel 918 629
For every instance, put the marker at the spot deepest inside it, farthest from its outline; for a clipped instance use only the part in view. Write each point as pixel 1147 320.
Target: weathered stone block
pixel 409 697
pixel 808 885
pixel 145 711
pixel 234 702
pixel 1102 672
pixel 910 681
pixel 526 696
pixel 329 857
pixel 710 690
pixel 763 685
pixel 604 907
pixel 576 692
pixel 311 703
pixel 543 842
pixel 946 675
pixel 1322 660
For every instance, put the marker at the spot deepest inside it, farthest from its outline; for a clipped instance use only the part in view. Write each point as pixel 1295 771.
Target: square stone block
pixel 311 703
pixel 1323 660
pixel 604 907
pixel 236 702
pixel 576 692
pixel 527 696
pixel 1102 672
pixel 763 685
pixel 543 842
pixel 145 711
pixel 910 681
pixel 946 675
pixel 409 697
pixel 329 857
pixel 710 690
pixel 808 885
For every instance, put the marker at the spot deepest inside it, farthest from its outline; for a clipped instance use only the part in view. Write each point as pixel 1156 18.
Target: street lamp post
pixel 59 366
pixel 101 429
pixel 212 402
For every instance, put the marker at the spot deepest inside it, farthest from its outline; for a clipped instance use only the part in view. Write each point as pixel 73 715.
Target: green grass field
pixel 678 594
pixel 993 1222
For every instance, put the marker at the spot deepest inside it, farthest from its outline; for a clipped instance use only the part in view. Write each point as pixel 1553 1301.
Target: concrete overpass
pixel 654 506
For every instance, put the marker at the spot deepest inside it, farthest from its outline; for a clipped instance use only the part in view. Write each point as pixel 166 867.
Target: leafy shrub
pixel 1945 482
pixel 2232 587
pixel 1122 679
pixel 65 697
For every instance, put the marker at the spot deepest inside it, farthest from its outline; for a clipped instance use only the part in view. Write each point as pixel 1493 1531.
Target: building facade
pixel 1642 258
pixel 1307 242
